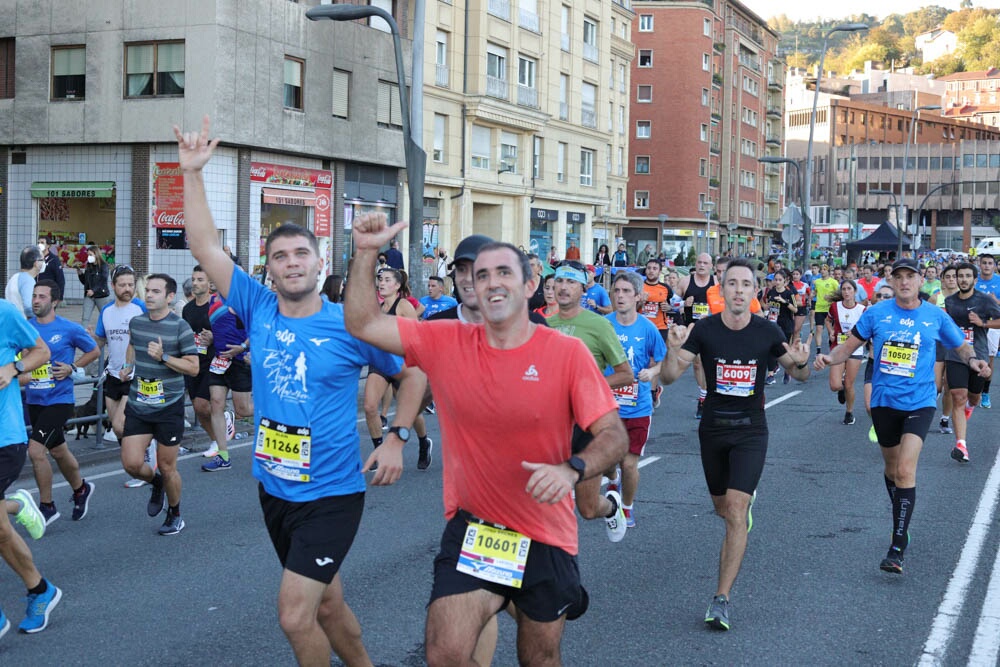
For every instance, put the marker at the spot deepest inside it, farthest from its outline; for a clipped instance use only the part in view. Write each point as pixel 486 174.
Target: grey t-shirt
pixel 154 385
pixel 958 309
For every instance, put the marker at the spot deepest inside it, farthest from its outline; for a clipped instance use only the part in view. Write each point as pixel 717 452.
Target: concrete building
pixel 305 112
pixel 525 114
pixel 936 43
pixel 972 96
pixel 706 104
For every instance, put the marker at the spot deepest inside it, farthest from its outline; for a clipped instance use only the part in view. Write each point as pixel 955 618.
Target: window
pixel 508 152
pixel 293 83
pixel 154 69
pixel 704 97
pixel 611 116
pixel 388 114
pixel 748 147
pixel 706 62
pixel 341 92
pixel 536 158
pixel 590 40
pixel 564 26
pixel 527 93
pixel 609 158
pixel 7 68
pixel 645 23
pixel 643 129
pixel 622 76
pixel 621 160
pixel 563 97
pixel 586 166
pixel 441 59
pixel 69 80
pixel 375 21
pixel 748 179
pixel 561 151
pixel 750 117
pixel 480 147
pixel 644 93
pixel 588 112
pixel 611 75
pixel 703 167
pixel 621 120
pixel 496 71
pixel 706 27
pixel 642 164
pixel 528 14
pixel 645 57
pixel 642 198
pixel 440 129
pixel 704 132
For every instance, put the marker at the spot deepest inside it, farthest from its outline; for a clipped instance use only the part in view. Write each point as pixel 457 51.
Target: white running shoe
pixel 230 424
pixel 212 450
pixel 134 483
pixel 150 456
pixel 109 436
pixel 617 523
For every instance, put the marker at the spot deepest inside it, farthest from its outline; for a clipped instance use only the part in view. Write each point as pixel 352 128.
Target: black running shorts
pixel 891 424
pixel 312 538
pixel 197 386
pixel 960 376
pixel 166 424
pixel 869 370
pixel 12 459
pixel 237 377
pixel 733 449
pixel 48 422
pixel 551 586
pixel 115 389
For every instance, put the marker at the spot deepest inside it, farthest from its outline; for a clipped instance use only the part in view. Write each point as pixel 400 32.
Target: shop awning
pixel 289 197
pixel 77 189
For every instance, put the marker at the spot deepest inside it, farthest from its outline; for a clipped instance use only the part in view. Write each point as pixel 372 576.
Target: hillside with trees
pixel 891 40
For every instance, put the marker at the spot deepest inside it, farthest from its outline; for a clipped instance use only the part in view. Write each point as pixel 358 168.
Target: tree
pixel 975 37
pixel 924 19
pixel 943 66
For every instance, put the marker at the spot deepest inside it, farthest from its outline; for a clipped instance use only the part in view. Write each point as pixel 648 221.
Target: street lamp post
pixel 895 205
pixel 807 196
pixel 773 159
pixel 414 156
pixel 709 206
pixel 914 119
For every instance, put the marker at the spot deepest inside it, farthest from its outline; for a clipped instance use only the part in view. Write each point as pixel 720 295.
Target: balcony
pixel 588 117
pixel 774 112
pixel 528 20
pixel 772 169
pixel 441 73
pixel 774 82
pixel 526 96
pixel 563 111
pixel 499 8
pixel 713 182
pixel 773 140
pixel 771 196
pixel 752 63
pixel 717 79
pixel 719 47
pixel 716 147
pixel 590 52
pixel 623 3
pixel 497 87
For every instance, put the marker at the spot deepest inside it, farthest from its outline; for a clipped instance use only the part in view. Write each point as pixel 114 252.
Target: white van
pixel 991 245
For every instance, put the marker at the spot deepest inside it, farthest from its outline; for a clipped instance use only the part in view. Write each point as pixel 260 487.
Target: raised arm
pixel 362 316
pixel 194 150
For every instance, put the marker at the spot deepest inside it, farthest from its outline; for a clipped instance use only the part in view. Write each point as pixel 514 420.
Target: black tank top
pixel 700 295
pixel 392 309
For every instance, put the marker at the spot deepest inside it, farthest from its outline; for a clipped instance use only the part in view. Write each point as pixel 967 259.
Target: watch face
pixel 403 433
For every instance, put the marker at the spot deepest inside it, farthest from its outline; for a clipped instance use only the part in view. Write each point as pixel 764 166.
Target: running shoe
pixel 30 517
pixel 385 423
pixel 424 457
pixel 872 435
pixel 183 451
pixel 155 505
pixel 81 500
pixel 946 423
pixel 841 396
pixel 968 414
pixel 230 424
pixel 109 436
pixel 656 396
pixel 893 561
pixel 960 453
pixel 616 523
pixel 49 512
pixel 134 483
pixel 786 379
pixel 629 517
pixel 717 615
pixel 212 451
pixel 848 418
pixel 431 409
pixel 36 617
pixel 985 401
pixel 770 379
pixel 701 408
pixel 753 499
pixel 172 525
pixel 4 624
pixel 216 464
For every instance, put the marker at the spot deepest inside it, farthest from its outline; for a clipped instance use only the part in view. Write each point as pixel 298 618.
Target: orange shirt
pixel 572 253
pixel 716 304
pixel 523 409
pixel 655 295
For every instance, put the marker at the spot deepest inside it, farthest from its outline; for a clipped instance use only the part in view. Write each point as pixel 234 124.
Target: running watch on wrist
pixel 579 465
pixel 19 366
pixel 163 358
pixel 401 432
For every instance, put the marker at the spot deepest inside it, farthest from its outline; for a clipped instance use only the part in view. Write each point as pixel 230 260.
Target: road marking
pixel 787 396
pixel 954 598
pixel 987 643
pixel 650 459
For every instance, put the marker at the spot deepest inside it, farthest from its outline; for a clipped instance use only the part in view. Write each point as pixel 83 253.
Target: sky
pixel 797 10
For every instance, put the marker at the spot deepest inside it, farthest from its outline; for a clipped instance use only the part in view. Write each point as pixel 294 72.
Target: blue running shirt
pixel 904 347
pixel 642 341
pixel 17 335
pixel 305 391
pixel 63 338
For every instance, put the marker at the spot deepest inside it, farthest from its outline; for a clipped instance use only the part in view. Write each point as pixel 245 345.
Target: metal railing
pixel 528 19
pixel 527 96
pixel 588 118
pixel 441 76
pixel 497 87
pixel 590 52
pixel 563 111
pixel 499 8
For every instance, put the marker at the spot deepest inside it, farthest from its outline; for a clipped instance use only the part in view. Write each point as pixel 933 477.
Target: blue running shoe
pixel 36 617
pixel 216 464
pixel 985 401
pixel 718 613
pixel 4 624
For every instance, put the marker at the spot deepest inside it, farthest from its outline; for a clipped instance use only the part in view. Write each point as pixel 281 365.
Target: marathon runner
pixel 781 309
pixel 694 290
pixel 736 350
pixel 654 301
pixel 506 490
pixel 883 293
pixel 903 333
pixel 307 453
pixel 595 297
pixel 22 350
pixel 975 313
pixel 436 300
pixel 229 370
pixel 645 351
pixel 803 298
pixel 195 313
pixel 989 283
pixel 823 287
pixel 949 286
pixel 50 399
pixel 845 311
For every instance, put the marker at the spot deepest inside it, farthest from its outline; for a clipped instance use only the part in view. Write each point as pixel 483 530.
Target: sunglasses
pixel 573 264
pixel 122 269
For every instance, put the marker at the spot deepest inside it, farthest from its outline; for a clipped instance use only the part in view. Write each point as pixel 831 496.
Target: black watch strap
pixel 579 465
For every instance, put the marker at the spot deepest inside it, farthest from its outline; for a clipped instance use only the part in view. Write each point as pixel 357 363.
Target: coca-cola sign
pixel 167 210
pixel 164 219
pixel 280 174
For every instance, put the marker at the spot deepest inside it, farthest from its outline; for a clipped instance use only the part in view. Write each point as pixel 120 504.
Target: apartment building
pixel 706 104
pixel 525 117
pixel 972 96
pixel 305 112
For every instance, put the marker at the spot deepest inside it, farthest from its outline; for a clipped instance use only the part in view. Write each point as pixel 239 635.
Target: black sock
pixel 157 480
pixel 40 588
pixel 175 509
pixel 986 387
pixel 376 442
pixel 890 486
pixel 902 511
pixel 77 492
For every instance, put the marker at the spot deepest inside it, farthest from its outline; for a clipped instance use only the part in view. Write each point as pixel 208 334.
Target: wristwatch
pixel 163 358
pixel 19 366
pixel 579 465
pixel 401 432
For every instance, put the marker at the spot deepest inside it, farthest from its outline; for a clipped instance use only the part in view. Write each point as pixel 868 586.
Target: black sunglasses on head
pixel 120 269
pixel 573 264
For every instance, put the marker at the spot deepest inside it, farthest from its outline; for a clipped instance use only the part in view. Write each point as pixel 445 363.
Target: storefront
pixel 74 215
pixel 542 223
pixel 574 228
pixel 368 189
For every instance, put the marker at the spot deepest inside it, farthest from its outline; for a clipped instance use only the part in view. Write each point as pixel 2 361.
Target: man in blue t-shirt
pixel 305 370
pixel 904 333
pixel 436 300
pixel 645 350
pixel 989 283
pixel 21 351
pixel 595 297
pixel 49 395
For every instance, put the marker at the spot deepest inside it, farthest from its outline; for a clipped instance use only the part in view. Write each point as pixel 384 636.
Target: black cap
pixel 469 248
pixel 906 263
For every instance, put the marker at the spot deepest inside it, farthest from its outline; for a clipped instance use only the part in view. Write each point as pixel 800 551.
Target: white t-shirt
pixel 112 326
pixel 19 290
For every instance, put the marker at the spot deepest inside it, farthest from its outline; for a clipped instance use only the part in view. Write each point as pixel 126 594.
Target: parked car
pixel 945 252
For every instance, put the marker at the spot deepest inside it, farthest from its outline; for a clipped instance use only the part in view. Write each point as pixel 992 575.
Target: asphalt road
pixel 810 591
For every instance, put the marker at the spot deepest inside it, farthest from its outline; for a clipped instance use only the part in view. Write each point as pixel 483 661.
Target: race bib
pixel 842 338
pixel 41 378
pixel 628 395
pixel 150 392
pixel 651 309
pixel 969 335
pixel 772 314
pixel 284 451
pixel 220 365
pixel 735 379
pixel 699 310
pixel 202 348
pixel 899 358
pixel 494 554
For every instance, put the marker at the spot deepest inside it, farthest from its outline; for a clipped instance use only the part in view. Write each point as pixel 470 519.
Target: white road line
pixel 649 459
pixel 954 598
pixel 987 642
pixel 787 396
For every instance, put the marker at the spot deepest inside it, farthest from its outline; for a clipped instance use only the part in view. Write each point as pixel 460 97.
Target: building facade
pixel 525 117
pixel 706 104
pixel 973 96
pixel 304 109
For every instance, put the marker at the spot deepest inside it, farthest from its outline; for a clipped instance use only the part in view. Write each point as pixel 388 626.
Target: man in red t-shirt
pixel 508 468
pixel 868 281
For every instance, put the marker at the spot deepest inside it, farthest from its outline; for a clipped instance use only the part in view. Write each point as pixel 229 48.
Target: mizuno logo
pixel 325 561
pixel 319 341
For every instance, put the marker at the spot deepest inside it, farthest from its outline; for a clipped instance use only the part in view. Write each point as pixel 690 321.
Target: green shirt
pixel 931 287
pixel 597 334
pixel 824 288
